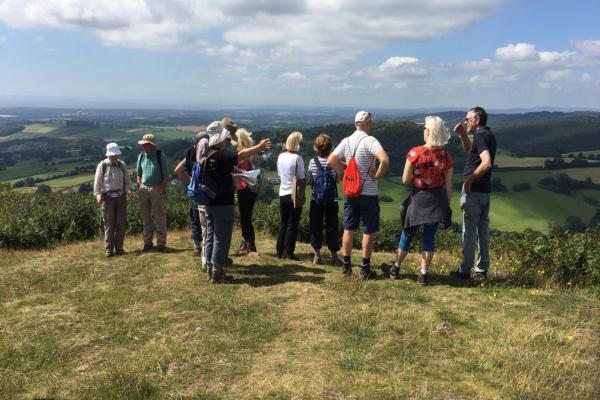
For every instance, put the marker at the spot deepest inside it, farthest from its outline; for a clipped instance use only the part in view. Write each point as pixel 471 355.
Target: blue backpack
pixel 324 185
pixel 197 190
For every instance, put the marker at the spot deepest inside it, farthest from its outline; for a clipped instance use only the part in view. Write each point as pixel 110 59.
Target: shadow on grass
pixel 256 275
pixel 450 280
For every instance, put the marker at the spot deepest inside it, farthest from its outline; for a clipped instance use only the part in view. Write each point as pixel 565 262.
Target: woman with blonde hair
pixel 428 171
pixel 289 166
pixel 246 195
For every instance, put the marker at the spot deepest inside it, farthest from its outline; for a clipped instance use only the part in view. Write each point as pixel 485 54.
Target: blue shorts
pixel 361 208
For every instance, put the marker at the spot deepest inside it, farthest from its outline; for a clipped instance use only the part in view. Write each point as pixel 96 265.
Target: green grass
pixel 39 128
pixel 505 160
pixel 513 211
pixel 148 326
pixel 69 181
pixel 22 170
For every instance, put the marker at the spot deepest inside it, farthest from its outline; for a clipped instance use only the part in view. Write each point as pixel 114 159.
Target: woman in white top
pixel 112 186
pixel 289 164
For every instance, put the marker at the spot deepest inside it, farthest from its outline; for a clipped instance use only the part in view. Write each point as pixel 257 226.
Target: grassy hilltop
pixel 75 325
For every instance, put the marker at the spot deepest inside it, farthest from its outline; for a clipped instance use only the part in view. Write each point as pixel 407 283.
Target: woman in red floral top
pixel 428 170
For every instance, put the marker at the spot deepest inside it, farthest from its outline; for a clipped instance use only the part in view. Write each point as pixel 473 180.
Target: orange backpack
pixel 352 181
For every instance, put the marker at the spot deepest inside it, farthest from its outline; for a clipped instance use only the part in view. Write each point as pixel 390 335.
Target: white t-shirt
pixel 286 169
pixel 365 157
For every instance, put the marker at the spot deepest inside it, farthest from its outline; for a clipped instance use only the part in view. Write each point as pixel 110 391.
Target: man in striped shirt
pixel 372 162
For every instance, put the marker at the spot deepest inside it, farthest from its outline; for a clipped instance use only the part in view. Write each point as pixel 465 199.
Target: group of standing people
pixel 223 149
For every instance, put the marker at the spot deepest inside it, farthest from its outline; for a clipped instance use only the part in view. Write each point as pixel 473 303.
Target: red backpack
pixel 352 181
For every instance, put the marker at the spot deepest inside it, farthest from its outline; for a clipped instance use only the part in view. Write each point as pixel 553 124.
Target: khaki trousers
pixel 114 218
pixel 152 208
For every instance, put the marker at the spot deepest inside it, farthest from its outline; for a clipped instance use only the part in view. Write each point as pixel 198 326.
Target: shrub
pixel 29 220
pixel 521 187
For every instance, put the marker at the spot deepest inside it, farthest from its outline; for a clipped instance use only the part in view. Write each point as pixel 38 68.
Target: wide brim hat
pixel 112 149
pixel 148 138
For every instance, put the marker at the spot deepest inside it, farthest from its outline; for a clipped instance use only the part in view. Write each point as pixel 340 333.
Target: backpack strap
pixel 158 157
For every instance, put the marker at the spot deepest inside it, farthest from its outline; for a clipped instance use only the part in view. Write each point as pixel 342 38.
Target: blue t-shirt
pixel 482 140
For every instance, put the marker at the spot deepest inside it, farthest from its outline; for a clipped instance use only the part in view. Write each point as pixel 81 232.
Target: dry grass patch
pixel 74 324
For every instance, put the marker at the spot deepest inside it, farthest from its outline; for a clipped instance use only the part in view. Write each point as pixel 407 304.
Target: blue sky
pixel 392 54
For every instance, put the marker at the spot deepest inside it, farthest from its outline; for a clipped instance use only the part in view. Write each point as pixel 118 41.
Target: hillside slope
pixel 148 326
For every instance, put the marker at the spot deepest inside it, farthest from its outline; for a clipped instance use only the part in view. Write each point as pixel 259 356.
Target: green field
pixel 70 181
pixel 514 211
pixel 36 169
pixel 77 325
pixel 22 170
pixel 39 128
pixel 504 160
pixel 165 133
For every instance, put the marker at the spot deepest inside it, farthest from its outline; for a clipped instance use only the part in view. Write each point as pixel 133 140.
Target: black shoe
pixel 461 275
pixel 120 252
pixel 147 247
pixel 197 252
pixel 366 273
pixel 160 247
pixel 422 279
pixel 394 272
pixel 293 257
pixel 481 276
pixel 347 269
pixel 108 253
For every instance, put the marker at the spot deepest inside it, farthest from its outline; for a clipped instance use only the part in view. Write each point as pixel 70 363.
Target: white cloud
pixel 292 76
pixel 589 48
pixel 517 52
pixel 273 32
pixel 347 87
pixel 556 75
pixel 586 78
pixel 395 67
pixel 555 56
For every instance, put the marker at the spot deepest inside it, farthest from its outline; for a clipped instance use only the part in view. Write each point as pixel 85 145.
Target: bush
pixel 521 187
pixel 29 220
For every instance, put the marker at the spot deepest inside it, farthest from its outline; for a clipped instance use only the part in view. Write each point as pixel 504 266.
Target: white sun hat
pixel 112 149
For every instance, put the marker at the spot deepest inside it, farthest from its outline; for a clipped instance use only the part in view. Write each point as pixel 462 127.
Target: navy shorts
pixel 363 209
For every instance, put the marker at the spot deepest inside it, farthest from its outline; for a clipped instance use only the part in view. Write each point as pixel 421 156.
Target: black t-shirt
pixel 219 167
pixel 482 140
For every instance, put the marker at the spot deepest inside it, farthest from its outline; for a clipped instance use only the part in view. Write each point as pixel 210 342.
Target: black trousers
pixel 288 231
pixel 329 215
pixel 246 201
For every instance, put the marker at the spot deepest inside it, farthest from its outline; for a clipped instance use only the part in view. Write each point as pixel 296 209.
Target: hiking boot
pixel 395 272
pixel 147 247
pixel 481 276
pixel 220 278
pixel 335 260
pixel 251 247
pixel 422 280
pixel 108 253
pixel 209 274
pixel 317 260
pixel 197 248
pixel 120 252
pixel 461 275
pixel 160 248
pixel 293 257
pixel 346 269
pixel 366 273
